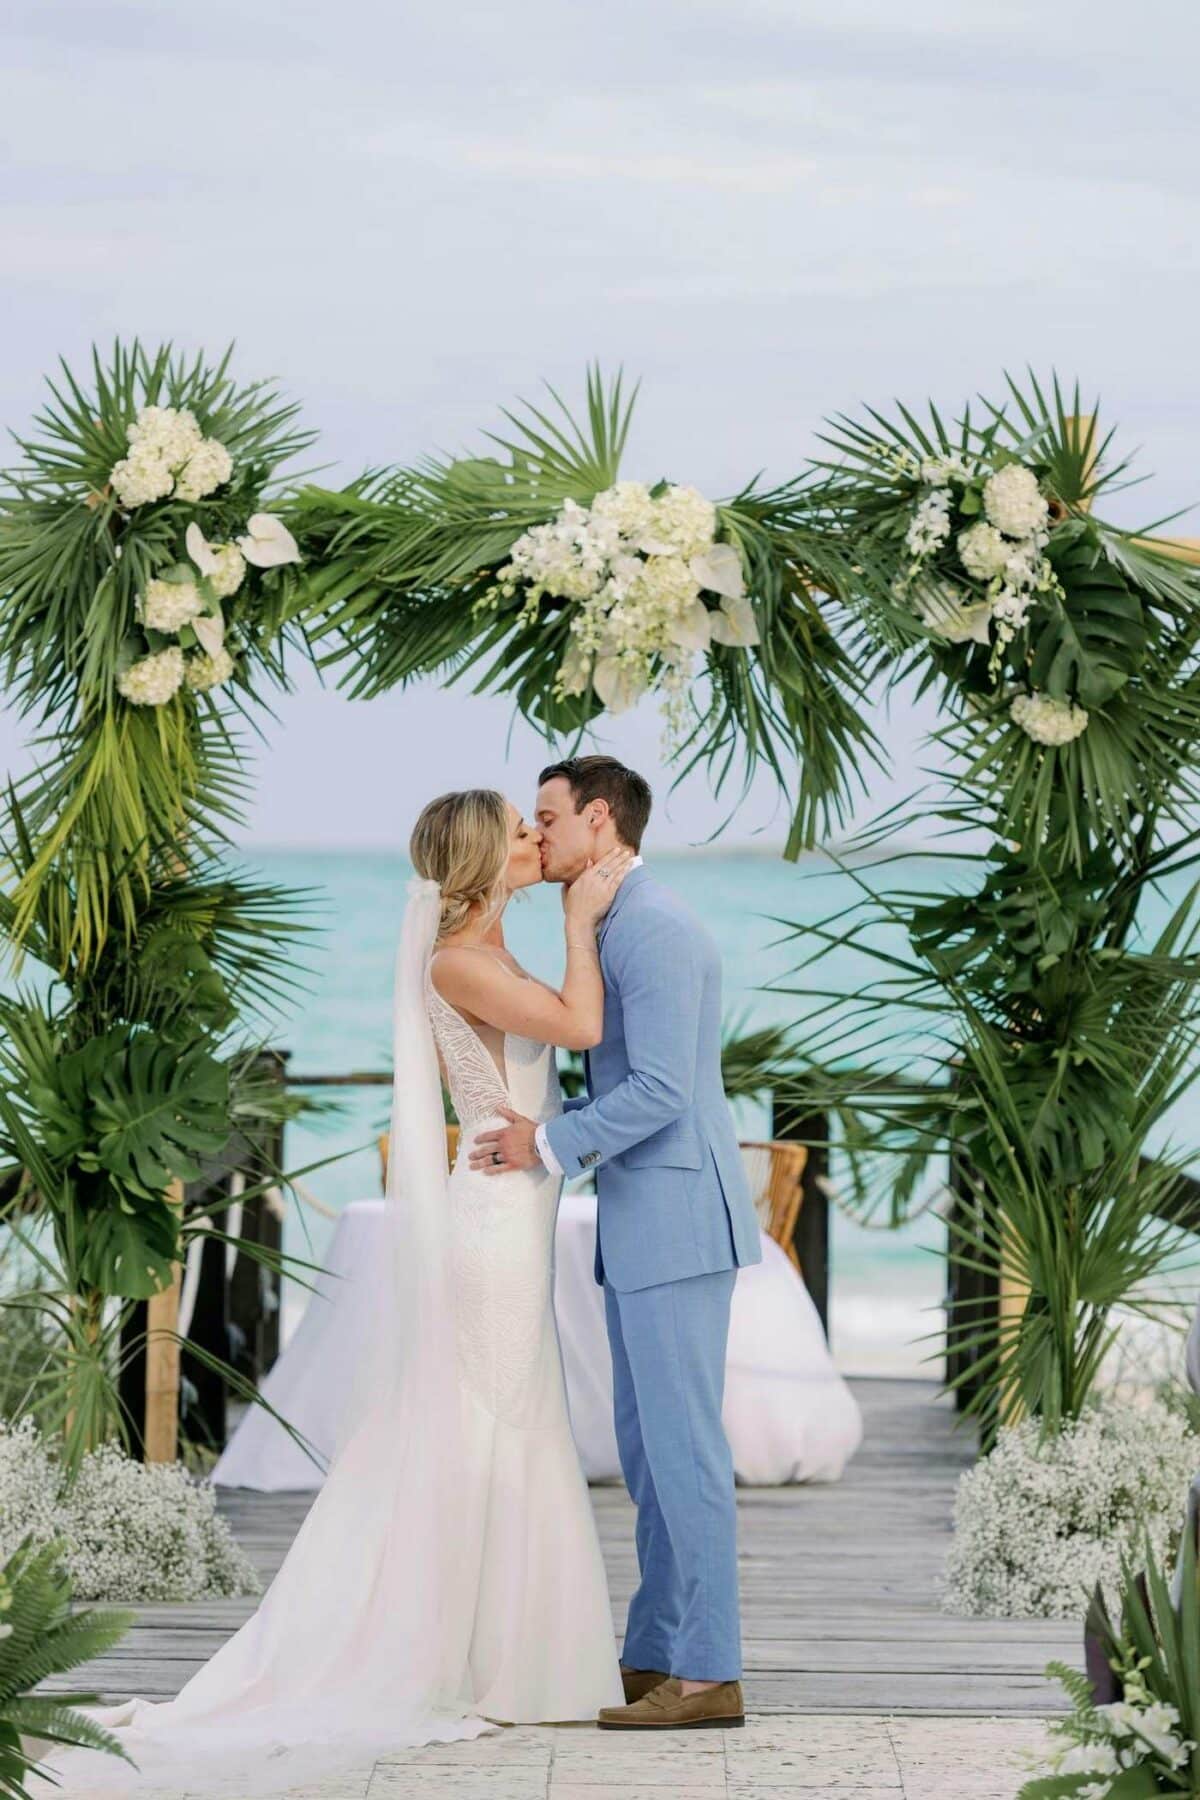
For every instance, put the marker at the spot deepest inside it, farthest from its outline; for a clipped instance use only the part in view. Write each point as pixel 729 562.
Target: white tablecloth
pixel 788 1414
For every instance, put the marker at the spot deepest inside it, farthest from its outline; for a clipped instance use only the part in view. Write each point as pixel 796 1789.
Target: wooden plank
pixel 839 1586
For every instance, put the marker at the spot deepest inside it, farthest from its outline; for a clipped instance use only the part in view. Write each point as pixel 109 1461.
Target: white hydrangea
pixel 167 431
pixel 1014 503
pixel 209 465
pixel 1041 1519
pixel 168 453
pixel 626 507
pixel 1046 720
pixel 132 1531
pixel 930 524
pixel 166 605
pixel 228 571
pixel 983 552
pixel 141 477
pixel 683 522
pixel 204 671
pixel 155 679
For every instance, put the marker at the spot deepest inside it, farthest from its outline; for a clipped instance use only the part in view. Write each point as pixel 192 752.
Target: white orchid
pixel 268 543
pixel 720 571
pixel 575 670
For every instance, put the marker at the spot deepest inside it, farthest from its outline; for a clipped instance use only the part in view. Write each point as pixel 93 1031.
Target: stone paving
pixel 870 1756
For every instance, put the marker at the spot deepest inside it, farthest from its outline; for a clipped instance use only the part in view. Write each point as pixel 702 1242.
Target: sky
pixel 769 211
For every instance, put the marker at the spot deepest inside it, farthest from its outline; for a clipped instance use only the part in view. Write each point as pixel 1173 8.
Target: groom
pixel 674 1223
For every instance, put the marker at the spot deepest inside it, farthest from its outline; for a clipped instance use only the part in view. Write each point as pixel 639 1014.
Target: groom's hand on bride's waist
pixel 508 1147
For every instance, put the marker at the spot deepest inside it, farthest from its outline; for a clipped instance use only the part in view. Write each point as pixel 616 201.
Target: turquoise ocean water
pixel 886 1285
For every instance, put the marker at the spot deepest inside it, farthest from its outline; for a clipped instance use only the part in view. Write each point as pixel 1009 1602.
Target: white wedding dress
pixel 449 1574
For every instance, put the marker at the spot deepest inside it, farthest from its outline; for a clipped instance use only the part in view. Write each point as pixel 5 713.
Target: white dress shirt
pixel 541 1142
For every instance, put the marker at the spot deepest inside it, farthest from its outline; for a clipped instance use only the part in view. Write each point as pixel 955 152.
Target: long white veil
pixel 361 1644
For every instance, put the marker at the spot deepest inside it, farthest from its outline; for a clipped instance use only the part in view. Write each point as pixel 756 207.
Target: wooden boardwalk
pixel 839 1586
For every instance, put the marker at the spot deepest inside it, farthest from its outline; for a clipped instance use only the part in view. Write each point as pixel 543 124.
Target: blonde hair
pixel 461 842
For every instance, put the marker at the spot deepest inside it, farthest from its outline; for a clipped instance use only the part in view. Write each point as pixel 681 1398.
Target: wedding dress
pixel 449 1574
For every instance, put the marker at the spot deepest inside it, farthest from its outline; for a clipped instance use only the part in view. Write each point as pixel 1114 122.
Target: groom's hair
pixel 604 778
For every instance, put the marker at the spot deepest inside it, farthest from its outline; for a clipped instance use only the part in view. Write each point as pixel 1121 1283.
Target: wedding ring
pixel 496 1157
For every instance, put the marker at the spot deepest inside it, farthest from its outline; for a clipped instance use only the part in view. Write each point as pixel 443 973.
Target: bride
pixel 448 1576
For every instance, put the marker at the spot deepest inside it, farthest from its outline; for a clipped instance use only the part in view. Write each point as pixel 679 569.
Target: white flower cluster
pixel 635 564
pixel 168 604
pixel 1046 720
pixel 206 671
pixel 169 454
pixel 153 680
pixel 1138 1732
pixel 1039 1520
pixel 1002 552
pixel 133 1531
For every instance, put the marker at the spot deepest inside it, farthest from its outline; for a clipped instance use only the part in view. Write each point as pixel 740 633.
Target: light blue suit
pixel 674 1223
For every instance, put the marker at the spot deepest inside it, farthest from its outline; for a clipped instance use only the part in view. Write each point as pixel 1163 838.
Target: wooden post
pixel 811 1237
pixel 162 1362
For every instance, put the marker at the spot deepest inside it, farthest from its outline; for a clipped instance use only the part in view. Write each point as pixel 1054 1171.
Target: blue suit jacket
pixel 672 1197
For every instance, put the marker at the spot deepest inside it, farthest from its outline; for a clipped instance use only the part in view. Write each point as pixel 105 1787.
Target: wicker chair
pixel 451 1153
pixel 775 1172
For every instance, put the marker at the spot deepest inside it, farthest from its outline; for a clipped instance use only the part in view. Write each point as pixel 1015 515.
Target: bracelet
pixel 574 944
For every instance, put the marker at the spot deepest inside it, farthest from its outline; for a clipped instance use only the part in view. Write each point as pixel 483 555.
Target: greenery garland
pixel 538 572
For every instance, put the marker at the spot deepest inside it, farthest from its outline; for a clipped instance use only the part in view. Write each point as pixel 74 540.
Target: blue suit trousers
pixel 668 1354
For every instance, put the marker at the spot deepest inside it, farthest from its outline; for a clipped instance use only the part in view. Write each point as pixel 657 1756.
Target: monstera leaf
pixel 155 1107
pixel 129 1244
pixel 1096 636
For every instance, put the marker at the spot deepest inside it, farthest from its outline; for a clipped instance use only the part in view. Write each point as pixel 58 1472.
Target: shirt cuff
pixel 541 1144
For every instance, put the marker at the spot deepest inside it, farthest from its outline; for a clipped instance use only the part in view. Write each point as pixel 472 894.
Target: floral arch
pixel 157 566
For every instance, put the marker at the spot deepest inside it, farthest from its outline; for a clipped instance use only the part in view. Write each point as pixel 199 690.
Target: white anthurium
pixel 735 624
pixel 268 543
pixel 210 632
pixel 720 571
pixel 693 630
pixel 942 611
pixel 618 684
pixel 200 550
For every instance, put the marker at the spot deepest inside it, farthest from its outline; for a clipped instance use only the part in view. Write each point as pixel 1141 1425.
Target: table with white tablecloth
pixel 788 1414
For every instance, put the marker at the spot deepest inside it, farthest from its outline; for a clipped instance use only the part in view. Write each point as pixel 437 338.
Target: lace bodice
pixel 476 1085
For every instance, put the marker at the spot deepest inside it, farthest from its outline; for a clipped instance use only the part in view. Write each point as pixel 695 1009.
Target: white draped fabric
pixel 788 1414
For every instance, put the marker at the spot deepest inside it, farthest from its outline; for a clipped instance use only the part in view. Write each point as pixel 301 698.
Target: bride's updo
pixel 461 842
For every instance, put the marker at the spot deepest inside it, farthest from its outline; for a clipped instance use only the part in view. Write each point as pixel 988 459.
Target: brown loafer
pixel 639 1682
pixel 668 1708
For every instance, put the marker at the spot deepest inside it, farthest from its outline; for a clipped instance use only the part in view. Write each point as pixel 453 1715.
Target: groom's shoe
pixel 668 1708
pixel 640 1682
